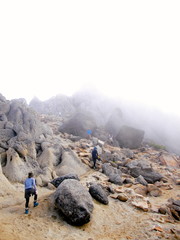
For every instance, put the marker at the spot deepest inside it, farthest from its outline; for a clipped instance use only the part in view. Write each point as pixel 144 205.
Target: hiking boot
pixel 26 211
pixel 36 204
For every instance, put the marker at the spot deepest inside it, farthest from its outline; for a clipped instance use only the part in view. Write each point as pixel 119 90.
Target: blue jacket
pixel 30 183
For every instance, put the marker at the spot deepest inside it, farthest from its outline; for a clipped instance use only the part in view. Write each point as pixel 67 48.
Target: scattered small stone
pixel 162 210
pixel 122 197
pixel 158 228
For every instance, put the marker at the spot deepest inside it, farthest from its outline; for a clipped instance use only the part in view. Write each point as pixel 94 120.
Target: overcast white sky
pixel 127 48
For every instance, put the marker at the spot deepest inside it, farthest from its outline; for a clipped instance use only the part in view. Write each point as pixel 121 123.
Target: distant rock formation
pixel 130 137
pixel 114 122
pixel 59 105
pixel 79 124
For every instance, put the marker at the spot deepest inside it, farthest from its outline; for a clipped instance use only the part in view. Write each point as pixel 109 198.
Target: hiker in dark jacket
pixel 30 189
pixel 95 156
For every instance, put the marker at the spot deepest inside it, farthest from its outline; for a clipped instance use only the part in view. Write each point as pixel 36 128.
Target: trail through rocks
pixel 116 221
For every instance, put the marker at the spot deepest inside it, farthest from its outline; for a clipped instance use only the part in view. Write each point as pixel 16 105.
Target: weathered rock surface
pixel 57 181
pixel 79 124
pixel 113 173
pixel 174 207
pixel 74 201
pixel 98 193
pixel 143 168
pixel 169 160
pixel 70 163
pixel 129 137
pixel 114 122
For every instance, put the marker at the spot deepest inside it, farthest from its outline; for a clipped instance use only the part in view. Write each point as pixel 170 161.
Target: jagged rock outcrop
pixel 74 202
pixel 130 137
pixel 27 144
pixel 26 123
pixel 21 131
pixel 59 105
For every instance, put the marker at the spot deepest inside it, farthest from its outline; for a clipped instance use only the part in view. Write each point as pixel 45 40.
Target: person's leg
pixel 35 197
pixel 35 200
pixel 27 202
pixel 94 160
pixel 27 205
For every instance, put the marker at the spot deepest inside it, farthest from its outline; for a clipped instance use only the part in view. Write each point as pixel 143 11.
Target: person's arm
pixel 34 184
pixel 97 155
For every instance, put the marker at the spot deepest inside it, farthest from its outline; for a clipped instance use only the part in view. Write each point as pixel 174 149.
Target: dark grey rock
pixel 74 202
pixel 141 180
pixel 79 124
pixel 108 170
pixel 6 134
pixel 176 202
pixel 129 137
pixel 114 122
pixel 128 153
pixel 127 181
pixel 98 193
pixel 116 179
pixel 57 181
pixel 143 168
pixel 113 173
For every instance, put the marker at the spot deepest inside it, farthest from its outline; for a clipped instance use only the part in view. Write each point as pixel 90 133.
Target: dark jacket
pixel 94 153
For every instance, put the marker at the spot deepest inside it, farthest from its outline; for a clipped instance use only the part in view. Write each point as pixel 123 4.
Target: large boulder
pixel 98 193
pixel 114 122
pixel 79 124
pixel 129 137
pixel 143 168
pixel 113 173
pixel 74 202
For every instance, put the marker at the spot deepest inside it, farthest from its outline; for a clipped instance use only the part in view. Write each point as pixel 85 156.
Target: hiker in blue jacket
pixel 30 189
pixel 95 156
